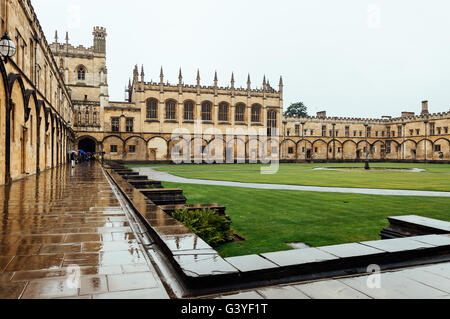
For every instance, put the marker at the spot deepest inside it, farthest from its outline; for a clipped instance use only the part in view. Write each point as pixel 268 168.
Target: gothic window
pixel 152 109
pixel 81 73
pixel 271 122
pixel 206 111
pixel 369 131
pixel 189 111
pixel 400 133
pixel 170 110
pixel 115 124
pixel 347 131
pixel 223 112
pixel 432 127
pixel 86 117
pixel 129 125
pixel 94 120
pixel 79 117
pixel 256 114
pixel 240 112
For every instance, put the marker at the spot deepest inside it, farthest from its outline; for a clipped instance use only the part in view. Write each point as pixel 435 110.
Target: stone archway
pixel 88 145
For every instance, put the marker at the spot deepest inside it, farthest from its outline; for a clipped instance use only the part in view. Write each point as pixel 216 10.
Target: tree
pixel 297 109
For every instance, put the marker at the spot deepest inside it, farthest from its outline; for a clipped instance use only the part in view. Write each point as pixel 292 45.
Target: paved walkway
pixel 66 222
pixel 423 282
pixel 167 177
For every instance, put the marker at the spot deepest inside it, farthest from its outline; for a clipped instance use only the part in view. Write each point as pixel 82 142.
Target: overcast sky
pixel 351 57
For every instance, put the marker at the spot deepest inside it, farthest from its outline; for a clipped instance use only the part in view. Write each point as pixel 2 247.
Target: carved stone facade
pixel 141 129
pixel 35 105
pixel 424 137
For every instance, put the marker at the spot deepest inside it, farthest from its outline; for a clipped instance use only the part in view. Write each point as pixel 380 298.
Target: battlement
pixel 99 32
pixel 139 85
pixel 405 118
pixel 99 45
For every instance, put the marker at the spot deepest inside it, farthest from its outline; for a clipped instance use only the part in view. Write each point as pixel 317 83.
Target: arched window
pixel 189 111
pixel 152 109
pixel 223 112
pixel 240 113
pixel 81 72
pixel 206 111
pixel 170 110
pixel 94 120
pixel 79 118
pixel 256 114
pixel 271 122
pixel 86 117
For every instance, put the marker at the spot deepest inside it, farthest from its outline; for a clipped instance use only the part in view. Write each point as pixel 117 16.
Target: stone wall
pixel 35 106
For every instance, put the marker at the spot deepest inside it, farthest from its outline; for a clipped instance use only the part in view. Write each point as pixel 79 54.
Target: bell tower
pixel 99 40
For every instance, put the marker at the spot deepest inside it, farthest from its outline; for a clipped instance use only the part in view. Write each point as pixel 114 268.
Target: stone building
pixel 228 122
pixel 54 98
pixel 35 105
pixel 411 137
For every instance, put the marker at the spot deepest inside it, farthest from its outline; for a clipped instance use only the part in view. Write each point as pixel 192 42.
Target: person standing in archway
pixel 72 158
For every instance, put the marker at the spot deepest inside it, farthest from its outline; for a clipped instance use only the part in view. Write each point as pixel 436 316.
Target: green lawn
pixel 436 177
pixel 270 218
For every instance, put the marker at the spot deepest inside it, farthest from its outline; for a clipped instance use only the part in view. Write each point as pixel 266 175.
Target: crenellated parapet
pixel 266 91
pixel 407 117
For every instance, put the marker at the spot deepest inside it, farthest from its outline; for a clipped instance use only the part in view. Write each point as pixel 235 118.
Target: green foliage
pixel 207 224
pixel 297 109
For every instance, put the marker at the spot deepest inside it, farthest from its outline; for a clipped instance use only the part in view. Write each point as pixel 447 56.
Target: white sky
pixel 350 57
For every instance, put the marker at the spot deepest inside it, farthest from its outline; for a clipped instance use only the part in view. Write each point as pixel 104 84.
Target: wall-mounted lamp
pixel 7 47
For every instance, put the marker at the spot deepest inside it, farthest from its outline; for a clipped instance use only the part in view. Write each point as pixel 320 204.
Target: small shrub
pixel 207 224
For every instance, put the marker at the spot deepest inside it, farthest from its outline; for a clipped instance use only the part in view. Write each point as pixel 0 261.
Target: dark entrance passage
pixel 88 145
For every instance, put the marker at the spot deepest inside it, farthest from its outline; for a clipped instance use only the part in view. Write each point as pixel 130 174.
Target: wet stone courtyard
pixel 63 234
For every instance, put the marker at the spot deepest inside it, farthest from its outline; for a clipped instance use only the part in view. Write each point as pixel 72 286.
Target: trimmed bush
pixel 207 224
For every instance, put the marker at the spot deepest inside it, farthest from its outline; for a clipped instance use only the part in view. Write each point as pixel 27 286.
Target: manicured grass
pixel 269 219
pixel 436 177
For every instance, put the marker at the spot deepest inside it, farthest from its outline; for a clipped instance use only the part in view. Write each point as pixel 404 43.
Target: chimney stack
pixel 425 108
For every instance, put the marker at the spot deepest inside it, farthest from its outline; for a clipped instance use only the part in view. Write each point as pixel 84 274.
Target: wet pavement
pixel 167 177
pixel 63 234
pixel 422 282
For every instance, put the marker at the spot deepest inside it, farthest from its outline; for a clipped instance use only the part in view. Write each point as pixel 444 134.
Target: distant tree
pixel 297 109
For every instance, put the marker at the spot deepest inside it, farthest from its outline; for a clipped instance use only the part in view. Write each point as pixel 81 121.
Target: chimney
pixel 408 114
pixel 322 114
pixel 425 108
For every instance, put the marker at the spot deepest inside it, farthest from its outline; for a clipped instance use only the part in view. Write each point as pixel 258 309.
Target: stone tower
pixel 86 76
pixel 99 40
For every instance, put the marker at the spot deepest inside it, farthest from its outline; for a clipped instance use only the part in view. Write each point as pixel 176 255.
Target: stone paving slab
pixel 420 282
pixel 331 289
pixel 66 219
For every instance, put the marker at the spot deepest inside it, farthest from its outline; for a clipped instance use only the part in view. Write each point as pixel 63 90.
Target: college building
pixel 55 98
